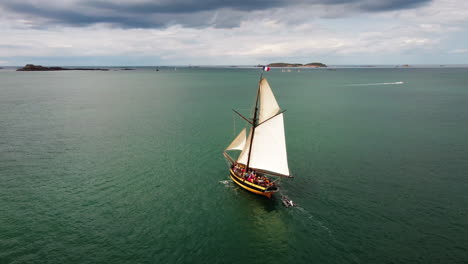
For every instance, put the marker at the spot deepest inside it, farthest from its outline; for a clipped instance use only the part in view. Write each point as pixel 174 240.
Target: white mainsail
pixel 268 147
pixel 239 142
pixel 269 143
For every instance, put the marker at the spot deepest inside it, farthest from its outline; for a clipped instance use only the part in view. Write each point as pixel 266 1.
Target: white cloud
pixel 258 39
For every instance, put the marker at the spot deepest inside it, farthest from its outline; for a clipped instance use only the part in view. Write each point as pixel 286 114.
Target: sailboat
pixel 263 159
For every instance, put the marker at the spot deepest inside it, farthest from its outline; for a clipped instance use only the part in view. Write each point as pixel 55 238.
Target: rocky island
pixel 283 64
pixel 32 67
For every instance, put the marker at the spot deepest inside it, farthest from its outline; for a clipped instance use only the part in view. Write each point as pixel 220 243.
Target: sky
pixel 243 32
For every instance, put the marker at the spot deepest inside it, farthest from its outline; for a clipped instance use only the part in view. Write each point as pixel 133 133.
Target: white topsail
pixel 269 143
pixel 268 105
pixel 239 142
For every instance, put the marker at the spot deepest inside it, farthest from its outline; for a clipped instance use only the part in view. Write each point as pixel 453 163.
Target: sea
pixel 126 166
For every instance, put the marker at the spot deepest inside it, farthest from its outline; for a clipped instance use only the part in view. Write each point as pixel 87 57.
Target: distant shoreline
pixel 32 67
pixel 247 66
pixel 308 65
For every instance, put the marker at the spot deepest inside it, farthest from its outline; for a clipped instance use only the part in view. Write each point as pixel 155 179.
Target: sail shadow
pixel 268 205
pixel 257 201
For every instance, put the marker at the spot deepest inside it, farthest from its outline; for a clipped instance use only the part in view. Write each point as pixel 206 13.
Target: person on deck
pixel 251 177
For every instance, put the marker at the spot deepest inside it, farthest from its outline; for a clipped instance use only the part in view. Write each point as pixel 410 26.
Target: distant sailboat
pixel 263 159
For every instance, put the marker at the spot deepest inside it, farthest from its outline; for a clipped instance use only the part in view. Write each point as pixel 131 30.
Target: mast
pixel 254 123
pixel 267 134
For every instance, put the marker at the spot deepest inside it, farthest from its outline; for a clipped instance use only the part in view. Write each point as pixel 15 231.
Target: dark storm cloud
pixel 69 16
pixel 189 13
pixel 379 6
pixel 188 6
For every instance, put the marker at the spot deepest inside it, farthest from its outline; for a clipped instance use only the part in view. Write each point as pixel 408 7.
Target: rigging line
pixel 234 127
pixel 256 99
pixel 243 117
pixel 272 117
pixel 252 110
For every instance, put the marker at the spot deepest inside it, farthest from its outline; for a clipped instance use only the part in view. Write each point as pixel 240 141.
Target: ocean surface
pixel 127 167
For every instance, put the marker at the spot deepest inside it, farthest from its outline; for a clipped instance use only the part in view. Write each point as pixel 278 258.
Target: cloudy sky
pixel 243 32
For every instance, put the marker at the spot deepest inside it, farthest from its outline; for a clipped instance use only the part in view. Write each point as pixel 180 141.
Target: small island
pixel 283 64
pixel 32 67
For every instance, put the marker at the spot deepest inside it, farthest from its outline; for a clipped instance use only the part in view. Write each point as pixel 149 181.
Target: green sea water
pixel 126 167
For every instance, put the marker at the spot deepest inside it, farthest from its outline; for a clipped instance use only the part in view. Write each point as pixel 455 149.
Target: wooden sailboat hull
pixel 257 189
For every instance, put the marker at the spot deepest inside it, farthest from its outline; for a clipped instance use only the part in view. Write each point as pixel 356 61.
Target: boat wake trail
pixel 315 221
pixel 371 84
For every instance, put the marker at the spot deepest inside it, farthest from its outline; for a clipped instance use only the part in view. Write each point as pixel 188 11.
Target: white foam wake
pixel 227 184
pixel 368 84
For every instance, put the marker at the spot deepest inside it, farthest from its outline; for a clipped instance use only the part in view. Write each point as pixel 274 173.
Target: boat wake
pixel 226 183
pixel 371 84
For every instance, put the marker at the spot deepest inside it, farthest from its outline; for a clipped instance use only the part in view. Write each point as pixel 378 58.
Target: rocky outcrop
pixel 32 67
pixel 283 64
pixel 315 64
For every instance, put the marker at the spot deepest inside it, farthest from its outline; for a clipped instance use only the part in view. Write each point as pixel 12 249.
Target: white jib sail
pixel 245 152
pixel 268 105
pixel 239 142
pixel 268 147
